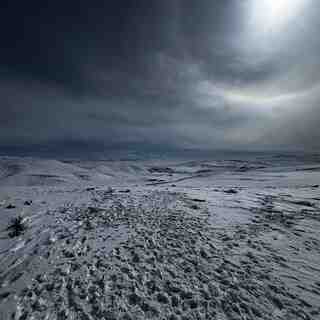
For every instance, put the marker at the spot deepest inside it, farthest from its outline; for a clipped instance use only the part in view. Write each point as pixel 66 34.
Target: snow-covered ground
pixel 166 239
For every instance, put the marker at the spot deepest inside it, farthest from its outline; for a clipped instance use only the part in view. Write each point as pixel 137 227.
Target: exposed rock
pixel 230 191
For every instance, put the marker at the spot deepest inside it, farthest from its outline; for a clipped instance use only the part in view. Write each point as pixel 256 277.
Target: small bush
pixel 17 226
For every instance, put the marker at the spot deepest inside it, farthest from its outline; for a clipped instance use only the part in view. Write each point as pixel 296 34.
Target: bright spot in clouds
pixel 272 15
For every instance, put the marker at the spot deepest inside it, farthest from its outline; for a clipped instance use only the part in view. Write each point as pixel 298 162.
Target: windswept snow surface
pixel 233 238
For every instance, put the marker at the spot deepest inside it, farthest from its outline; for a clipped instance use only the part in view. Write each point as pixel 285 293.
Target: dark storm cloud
pixel 188 72
pixel 54 41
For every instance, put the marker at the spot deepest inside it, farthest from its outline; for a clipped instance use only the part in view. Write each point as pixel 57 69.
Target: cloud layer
pixel 181 73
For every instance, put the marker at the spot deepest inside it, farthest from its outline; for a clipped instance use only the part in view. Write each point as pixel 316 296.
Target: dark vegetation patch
pixel 16 227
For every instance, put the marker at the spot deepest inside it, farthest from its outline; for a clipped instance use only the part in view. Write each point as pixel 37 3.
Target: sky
pixel 180 73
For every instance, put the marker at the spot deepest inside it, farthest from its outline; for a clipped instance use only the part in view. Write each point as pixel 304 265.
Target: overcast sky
pixel 205 73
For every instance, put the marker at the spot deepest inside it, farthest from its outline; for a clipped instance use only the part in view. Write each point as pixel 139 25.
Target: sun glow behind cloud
pixel 273 15
pixel 270 28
